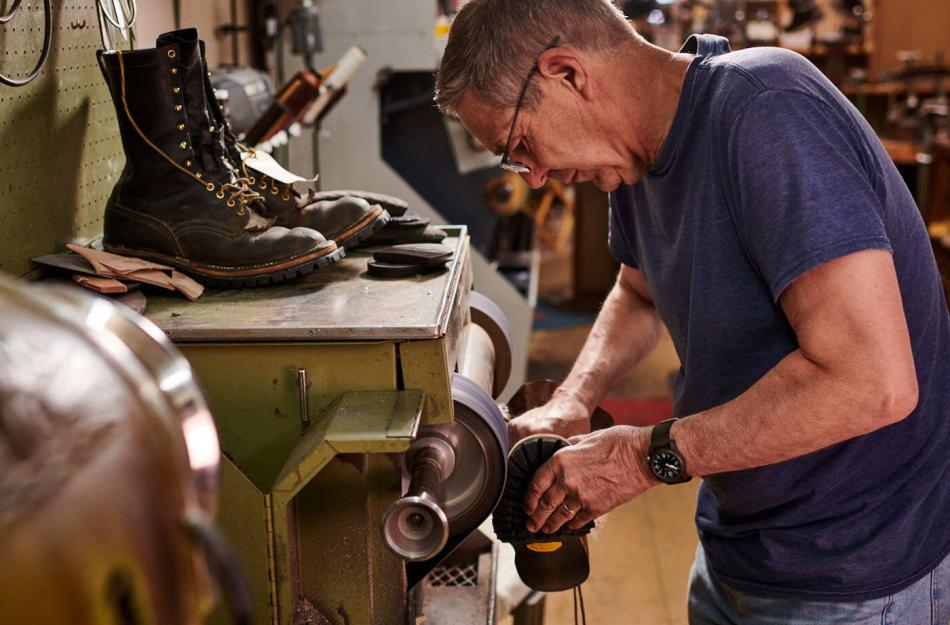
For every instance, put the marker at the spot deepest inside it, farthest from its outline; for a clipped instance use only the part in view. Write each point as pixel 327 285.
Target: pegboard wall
pixel 60 151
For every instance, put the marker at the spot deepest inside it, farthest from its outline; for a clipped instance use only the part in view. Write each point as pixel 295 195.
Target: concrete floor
pixel 642 551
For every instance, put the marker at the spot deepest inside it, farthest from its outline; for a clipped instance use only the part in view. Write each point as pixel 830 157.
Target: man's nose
pixel 537 176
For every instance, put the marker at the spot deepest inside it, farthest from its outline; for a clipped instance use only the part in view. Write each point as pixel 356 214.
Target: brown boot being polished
pixel 347 219
pixel 172 203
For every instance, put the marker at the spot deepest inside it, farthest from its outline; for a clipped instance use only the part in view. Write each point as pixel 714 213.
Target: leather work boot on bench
pixel 348 219
pixel 172 204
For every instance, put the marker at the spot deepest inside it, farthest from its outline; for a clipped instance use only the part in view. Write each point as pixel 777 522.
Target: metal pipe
pixel 478 359
pixel 235 48
pixel 487 315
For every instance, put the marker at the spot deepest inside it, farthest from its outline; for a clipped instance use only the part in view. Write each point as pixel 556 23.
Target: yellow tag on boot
pixel 547 547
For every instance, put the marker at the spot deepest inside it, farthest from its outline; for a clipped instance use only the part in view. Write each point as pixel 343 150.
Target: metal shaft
pixel 415 527
pixel 427 474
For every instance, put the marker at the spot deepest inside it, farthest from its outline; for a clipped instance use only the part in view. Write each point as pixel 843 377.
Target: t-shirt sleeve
pixel 802 192
pixel 618 241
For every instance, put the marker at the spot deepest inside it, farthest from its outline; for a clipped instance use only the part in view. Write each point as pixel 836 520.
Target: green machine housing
pixel 318 388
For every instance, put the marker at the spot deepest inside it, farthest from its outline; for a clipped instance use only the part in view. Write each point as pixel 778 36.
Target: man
pixel 758 218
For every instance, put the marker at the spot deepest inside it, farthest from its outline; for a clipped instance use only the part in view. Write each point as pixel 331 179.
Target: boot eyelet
pixel 198 175
pixel 183 145
pixel 263 185
pixel 176 90
pixel 181 127
pixel 251 180
pixel 210 186
pixel 174 71
pixel 231 203
pixel 178 108
pixel 171 54
pixel 220 194
pixel 274 190
pixel 285 197
pixel 242 211
pixel 188 164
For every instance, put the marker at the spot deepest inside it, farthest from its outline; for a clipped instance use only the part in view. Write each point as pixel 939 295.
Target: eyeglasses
pixel 506 163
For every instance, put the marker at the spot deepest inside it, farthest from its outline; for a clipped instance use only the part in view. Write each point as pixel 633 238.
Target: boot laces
pixel 241 188
pixel 241 194
pixel 286 191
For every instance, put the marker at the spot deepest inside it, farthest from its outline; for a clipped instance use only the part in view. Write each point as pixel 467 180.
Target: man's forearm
pixel 627 329
pixel 797 408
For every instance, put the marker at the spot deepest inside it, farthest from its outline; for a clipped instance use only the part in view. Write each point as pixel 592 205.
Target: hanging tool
pixel 47 40
pixel 121 17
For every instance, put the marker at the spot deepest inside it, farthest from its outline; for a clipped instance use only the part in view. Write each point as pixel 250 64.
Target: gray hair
pixel 494 43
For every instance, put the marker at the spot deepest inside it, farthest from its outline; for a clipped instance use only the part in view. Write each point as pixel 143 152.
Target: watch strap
pixel 660 436
pixel 660 439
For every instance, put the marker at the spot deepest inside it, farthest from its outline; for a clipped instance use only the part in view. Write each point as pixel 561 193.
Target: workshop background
pixel 538 256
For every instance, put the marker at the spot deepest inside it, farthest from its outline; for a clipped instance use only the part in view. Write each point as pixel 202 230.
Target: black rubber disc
pixel 422 254
pixel 398 270
pixel 546 562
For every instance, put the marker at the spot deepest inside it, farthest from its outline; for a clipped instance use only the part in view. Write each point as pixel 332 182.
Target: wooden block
pixel 106 262
pixel 100 284
pixel 154 277
pixel 188 287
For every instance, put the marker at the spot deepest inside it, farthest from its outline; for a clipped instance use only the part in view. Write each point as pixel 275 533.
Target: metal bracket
pixel 303 383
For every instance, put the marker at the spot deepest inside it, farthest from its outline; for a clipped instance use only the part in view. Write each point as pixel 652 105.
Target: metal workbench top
pixel 337 303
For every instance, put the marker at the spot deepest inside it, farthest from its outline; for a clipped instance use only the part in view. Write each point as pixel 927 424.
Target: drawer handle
pixel 303 381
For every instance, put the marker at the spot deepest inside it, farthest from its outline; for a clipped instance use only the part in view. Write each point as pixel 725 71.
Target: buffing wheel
pixel 479 439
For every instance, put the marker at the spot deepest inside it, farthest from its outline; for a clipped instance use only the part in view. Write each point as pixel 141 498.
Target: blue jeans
pixel 925 602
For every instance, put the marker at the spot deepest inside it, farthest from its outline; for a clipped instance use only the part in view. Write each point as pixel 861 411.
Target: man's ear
pixel 565 65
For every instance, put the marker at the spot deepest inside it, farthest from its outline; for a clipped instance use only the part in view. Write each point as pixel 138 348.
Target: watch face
pixel 666 465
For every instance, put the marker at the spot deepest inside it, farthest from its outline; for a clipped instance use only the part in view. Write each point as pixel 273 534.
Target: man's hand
pixel 563 415
pixel 593 476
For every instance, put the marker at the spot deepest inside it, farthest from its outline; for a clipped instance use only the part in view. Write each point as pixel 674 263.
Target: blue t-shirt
pixel 767 172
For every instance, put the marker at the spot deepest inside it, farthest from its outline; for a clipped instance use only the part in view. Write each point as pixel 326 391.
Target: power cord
pixel 47 40
pixel 225 569
pixel 579 598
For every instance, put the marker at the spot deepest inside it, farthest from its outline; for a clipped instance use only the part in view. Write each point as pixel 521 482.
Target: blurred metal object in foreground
pixel 108 468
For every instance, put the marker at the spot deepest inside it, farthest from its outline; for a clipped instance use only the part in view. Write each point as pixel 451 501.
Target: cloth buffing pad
pixel 546 562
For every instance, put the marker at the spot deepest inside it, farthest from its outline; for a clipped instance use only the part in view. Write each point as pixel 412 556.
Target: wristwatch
pixel 665 460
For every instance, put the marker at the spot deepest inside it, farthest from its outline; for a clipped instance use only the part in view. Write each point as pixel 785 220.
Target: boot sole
pixel 372 224
pixel 240 277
